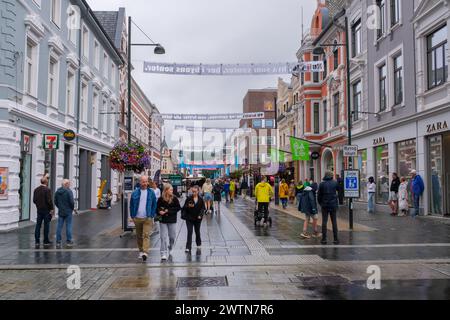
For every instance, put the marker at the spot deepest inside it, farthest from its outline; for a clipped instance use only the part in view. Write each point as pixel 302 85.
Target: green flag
pixel 300 149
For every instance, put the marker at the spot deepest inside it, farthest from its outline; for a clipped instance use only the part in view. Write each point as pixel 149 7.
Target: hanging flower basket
pixel 129 157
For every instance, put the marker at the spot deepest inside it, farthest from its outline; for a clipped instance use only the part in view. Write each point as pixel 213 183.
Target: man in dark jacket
pixel 327 198
pixel 42 198
pixel 65 203
pixel 244 188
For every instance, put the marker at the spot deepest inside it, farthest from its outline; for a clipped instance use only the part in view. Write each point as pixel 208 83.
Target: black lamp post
pixel 319 51
pixel 159 49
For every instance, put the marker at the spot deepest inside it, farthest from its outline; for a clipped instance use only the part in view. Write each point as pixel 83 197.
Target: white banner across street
pixel 232 69
pixel 209 117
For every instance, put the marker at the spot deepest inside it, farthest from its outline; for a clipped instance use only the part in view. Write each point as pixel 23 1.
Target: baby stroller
pixel 259 217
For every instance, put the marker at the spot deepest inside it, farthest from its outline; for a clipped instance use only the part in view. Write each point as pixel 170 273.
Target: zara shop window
pixel 406 161
pixel 382 174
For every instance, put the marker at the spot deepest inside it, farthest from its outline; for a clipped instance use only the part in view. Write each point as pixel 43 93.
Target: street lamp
pixel 159 49
pixel 320 51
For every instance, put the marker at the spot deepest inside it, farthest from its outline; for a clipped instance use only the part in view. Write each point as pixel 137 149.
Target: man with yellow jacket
pixel 263 194
pixel 284 193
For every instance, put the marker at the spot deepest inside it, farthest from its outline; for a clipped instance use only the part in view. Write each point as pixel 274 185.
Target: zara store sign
pixel 437 127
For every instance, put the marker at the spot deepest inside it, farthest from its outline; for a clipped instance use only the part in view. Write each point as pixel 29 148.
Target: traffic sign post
pixel 350 151
pixel 351 184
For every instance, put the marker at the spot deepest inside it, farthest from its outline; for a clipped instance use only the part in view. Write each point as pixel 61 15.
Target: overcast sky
pixel 211 31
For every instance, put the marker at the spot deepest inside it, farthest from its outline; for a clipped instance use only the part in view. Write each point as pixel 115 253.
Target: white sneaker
pixel 164 257
pixel 140 255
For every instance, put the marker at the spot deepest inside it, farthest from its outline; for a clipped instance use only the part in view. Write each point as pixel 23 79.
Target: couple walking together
pixel 145 209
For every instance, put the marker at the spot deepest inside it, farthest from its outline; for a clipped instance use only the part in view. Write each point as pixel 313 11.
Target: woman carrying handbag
pixel 193 211
pixel 167 209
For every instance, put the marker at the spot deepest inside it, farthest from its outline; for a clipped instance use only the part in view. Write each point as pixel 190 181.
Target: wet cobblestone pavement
pixel 237 261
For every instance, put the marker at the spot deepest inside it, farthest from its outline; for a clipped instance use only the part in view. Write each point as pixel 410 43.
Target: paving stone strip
pixel 255 247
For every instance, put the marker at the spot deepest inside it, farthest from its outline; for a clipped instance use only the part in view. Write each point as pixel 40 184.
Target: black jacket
pixel 244 185
pixel 173 207
pixel 326 194
pixel 193 213
pixel 307 203
pixel 217 192
pixel 42 198
pixel 395 184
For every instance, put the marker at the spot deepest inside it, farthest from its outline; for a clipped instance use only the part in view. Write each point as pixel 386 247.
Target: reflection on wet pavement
pixel 237 261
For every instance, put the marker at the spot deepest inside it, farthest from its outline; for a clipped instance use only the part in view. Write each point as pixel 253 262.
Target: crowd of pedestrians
pixel 158 207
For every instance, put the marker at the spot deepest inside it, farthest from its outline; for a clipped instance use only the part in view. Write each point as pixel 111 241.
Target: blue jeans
pixel 416 205
pixel 46 217
pixel 371 203
pixel 68 221
pixel 284 202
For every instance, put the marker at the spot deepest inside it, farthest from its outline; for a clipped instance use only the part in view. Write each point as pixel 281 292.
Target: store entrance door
pixel 85 189
pixel 446 148
pixel 440 174
pixel 25 177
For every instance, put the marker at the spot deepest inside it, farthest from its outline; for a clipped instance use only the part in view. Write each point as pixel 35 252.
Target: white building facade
pixel 59 72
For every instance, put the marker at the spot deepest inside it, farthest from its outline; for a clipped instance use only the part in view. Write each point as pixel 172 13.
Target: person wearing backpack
pixel 308 206
pixel 217 193
pixel 263 194
pixel 284 193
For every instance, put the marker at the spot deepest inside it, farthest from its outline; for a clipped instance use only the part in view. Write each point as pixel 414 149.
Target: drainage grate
pixel 197 282
pixel 323 281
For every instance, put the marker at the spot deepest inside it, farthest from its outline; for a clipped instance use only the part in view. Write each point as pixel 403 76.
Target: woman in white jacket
pixel 371 190
pixel 403 198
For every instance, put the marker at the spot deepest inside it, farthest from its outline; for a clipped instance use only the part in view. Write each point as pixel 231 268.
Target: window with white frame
pixel 30 80
pixel 315 74
pixel 316 117
pixel 395 12
pixel 95 107
pixel 105 65
pixel 357 93
pixel 84 102
pixel 398 79
pixel 70 89
pixel 53 82
pixel 382 94
pixel 335 56
pixel 103 116
pixel 325 116
pixel 437 62
pixel 56 12
pixel 71 30
pixel 381 4
pixel 356 38
pixel 85 42
pixel 336 101
pixel 96 55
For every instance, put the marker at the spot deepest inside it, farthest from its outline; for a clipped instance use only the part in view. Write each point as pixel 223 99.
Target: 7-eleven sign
pixel 51 141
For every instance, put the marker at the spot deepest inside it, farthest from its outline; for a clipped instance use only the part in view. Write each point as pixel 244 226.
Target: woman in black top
pixel 193 211
pixel 167 209
pixel 393 195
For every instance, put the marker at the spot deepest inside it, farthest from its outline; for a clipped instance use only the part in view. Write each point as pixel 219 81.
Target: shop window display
pixel 382 171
